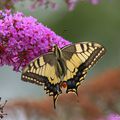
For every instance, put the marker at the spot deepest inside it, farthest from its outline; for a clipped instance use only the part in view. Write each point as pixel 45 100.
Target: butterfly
pixel 63 67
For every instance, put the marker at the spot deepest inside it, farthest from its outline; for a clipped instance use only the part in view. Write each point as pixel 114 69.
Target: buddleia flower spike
pixel 22 39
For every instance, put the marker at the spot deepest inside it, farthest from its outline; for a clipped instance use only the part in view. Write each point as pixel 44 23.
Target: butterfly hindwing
pixel 79 58
pixel 41 71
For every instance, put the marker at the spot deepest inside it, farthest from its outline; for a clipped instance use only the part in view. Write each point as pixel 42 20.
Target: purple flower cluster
pixel 23 38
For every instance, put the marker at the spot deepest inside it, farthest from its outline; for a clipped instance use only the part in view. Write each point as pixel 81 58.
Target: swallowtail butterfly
pixel 63 66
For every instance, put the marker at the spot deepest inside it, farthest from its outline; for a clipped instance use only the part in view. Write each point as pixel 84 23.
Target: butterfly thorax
pixel 61 68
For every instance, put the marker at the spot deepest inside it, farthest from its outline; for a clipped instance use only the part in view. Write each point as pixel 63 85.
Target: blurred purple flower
pixel 113 117
pixel 94 2
pixel 46 3
pixel 23 38
pixel 70 3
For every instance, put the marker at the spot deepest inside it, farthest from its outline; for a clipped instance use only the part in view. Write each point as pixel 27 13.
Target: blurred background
pixel 99 23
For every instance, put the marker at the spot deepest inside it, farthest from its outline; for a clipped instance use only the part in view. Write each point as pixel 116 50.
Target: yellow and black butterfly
pixel 67 65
